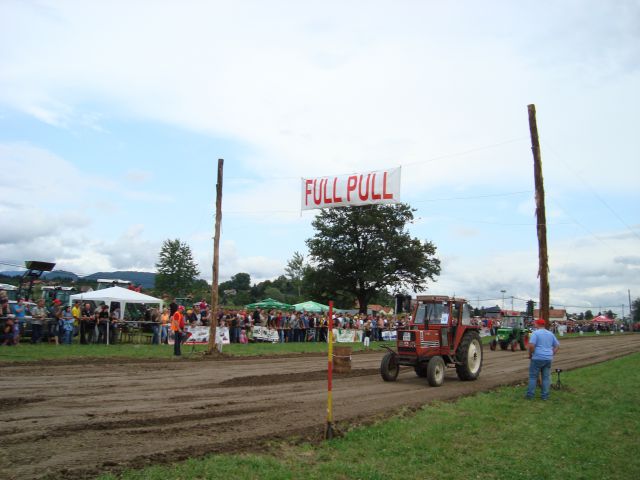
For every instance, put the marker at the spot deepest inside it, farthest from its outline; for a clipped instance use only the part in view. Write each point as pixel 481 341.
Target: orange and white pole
pixel 329 431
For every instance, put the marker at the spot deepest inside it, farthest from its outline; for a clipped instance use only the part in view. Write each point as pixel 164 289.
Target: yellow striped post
pixel 329 431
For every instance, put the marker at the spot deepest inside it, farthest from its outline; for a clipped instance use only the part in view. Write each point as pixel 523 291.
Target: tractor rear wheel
pixel 469 356
pixel 435 371
pixel 421 370
pixel 389 367
pixel 493 344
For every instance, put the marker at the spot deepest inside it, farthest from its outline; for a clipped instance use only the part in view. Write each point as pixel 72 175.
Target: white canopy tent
pixel 116 294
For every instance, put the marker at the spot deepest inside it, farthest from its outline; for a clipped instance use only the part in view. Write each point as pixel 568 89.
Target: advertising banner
pixel 389 335
pixel 200 335
pixel 382 186
pixel 264 334
pixel 341 335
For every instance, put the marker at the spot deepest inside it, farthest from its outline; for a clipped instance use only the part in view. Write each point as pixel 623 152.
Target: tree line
pixel 358 255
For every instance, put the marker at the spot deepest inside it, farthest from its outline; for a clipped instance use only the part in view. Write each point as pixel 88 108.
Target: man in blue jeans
pixel 543 345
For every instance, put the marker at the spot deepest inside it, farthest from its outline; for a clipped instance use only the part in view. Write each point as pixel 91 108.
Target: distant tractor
pixel 512 334
pixel 441 334
pixel 57 292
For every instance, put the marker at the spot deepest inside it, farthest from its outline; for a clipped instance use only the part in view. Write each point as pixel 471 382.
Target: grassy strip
pixel 27 352
pixel 588 431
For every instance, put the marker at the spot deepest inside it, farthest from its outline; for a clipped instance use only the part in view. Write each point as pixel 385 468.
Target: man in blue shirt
pixel 543 345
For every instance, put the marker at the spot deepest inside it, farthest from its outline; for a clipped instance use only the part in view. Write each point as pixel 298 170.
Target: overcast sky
pixel 113 115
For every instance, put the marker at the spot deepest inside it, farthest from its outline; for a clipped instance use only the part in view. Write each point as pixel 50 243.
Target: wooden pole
pixel 541 217
pixel 328 434
pixel 216 260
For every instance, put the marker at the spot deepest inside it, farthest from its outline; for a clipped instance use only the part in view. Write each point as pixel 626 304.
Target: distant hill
pixel 12 273
pixel 146 279
pixel 63 274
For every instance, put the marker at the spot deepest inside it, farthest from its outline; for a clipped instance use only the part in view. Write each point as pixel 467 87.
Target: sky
pixel 113 115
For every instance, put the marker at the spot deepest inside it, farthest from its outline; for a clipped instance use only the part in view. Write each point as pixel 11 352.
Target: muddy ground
pixel 78 419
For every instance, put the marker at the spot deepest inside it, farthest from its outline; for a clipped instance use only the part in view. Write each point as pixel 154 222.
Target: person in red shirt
pixel 177 326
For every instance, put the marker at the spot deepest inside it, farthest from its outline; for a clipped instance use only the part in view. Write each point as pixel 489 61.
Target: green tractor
pixel 512 334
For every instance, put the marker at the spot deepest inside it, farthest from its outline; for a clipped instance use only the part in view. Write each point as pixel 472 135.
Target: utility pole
pixel 216 261
pixel 503 292
pixel 630 311
pixel 541 217
pixel 512 303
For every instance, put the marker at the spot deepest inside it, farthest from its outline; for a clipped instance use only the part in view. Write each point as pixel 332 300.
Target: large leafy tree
pixel 177 271
pixel 362 251
pixel 635 310
pixel 295 270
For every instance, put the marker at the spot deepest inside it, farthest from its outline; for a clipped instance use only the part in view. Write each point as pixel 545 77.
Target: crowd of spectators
pixel 299 326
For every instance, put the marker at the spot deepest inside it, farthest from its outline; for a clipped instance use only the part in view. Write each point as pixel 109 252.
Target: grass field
pixel 590 431
pixel 28 352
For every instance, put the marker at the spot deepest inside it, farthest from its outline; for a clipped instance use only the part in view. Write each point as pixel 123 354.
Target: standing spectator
pixel 374 328
pixel 102 317
pixel 154 318
pixel 164 325
pixel 113 326
pixel 19 311
pixel 4 303
pixel 256 317
pixel 234 331
pixel 75 311
pixel 87 325
pixel 67 326
pixel 177 326
pixel 173 307
pixel 543 345
pixel 39 314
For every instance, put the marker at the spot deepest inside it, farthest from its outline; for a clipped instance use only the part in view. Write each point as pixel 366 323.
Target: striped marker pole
pixel 328 434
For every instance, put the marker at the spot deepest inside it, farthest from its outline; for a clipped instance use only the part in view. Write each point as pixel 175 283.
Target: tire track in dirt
pixel 75 420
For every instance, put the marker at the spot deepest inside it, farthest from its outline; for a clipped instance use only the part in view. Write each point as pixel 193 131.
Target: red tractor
pixel 441 334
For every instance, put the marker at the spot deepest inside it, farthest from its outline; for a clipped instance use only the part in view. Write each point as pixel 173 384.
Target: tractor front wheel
pixel 504 345
pixel 435 371
pixel 514 346
pixel 389 367
pixel 469 357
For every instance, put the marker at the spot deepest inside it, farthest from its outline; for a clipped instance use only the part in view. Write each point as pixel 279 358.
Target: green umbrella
pixel 310 306
pixel 270 303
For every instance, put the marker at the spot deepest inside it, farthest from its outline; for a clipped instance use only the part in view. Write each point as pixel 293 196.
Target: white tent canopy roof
pixel 115 294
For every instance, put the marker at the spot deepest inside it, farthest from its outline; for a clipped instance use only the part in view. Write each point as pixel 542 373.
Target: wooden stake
pixel 541 217
pixel 216 259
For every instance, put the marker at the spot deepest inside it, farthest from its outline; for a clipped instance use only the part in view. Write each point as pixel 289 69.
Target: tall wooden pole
pixel 541 217
pixel 216 260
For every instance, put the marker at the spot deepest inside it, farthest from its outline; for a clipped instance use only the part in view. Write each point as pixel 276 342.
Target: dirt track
pixel 76 420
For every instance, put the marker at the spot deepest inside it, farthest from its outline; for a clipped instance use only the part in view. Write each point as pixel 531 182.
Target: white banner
pixel 346 336
pixel 382 186
pixel 264 334
pixel 200 335
pixel 388 335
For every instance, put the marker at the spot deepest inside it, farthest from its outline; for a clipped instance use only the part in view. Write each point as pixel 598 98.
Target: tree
pixel 588 315
pixel 295 270
pixel 361 251
pixel 177 270
pixel 610 314
pixel 635 310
